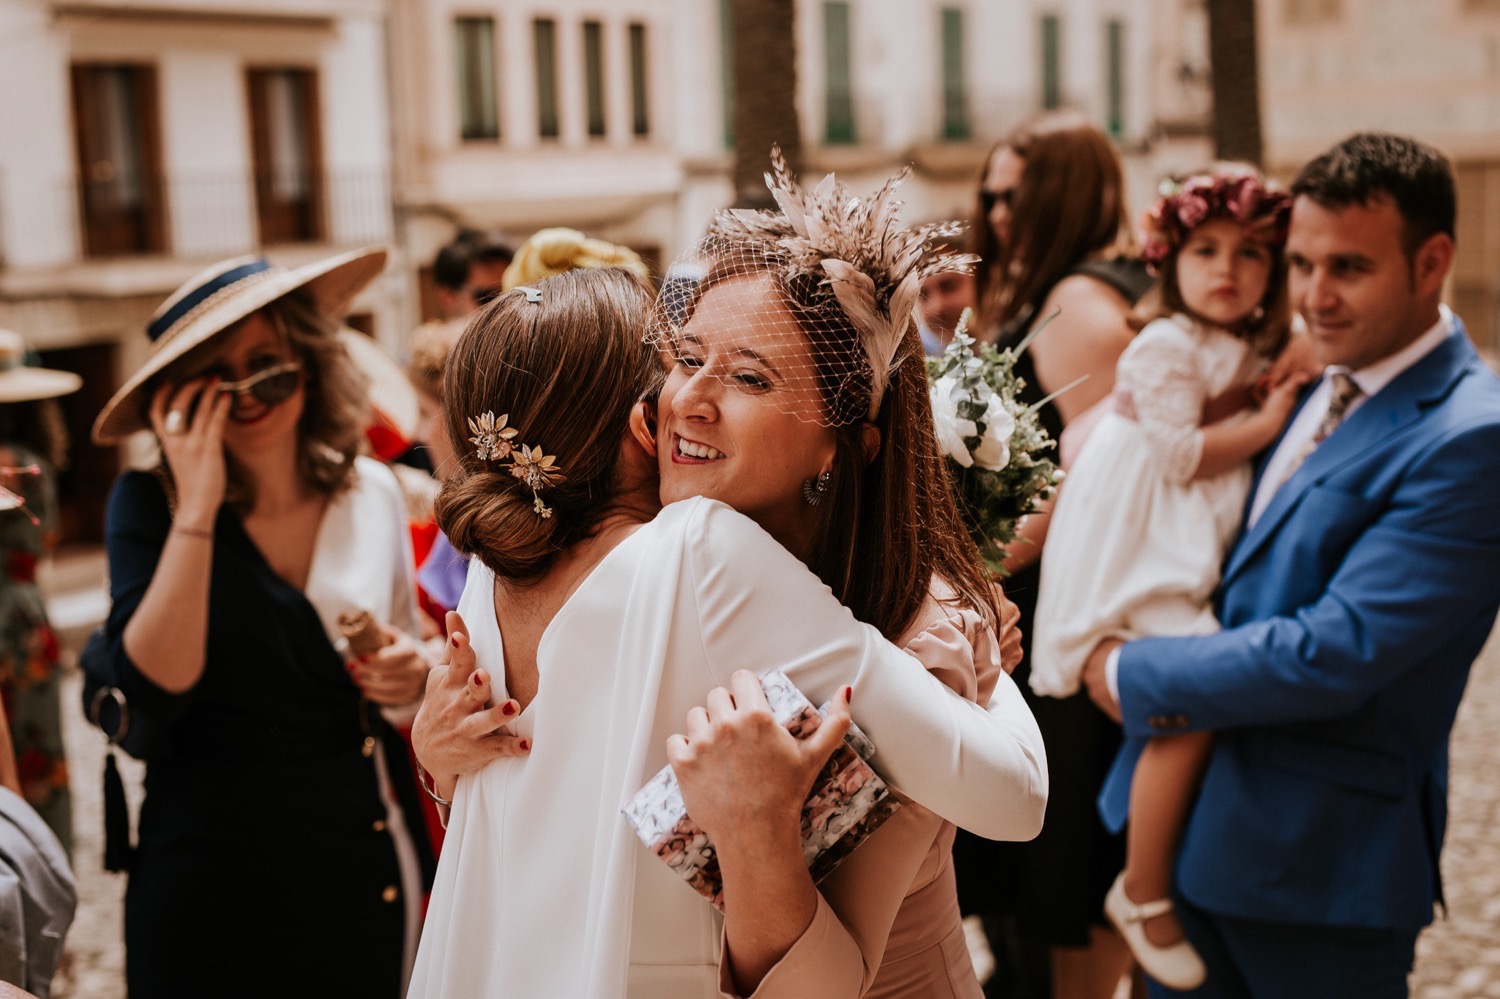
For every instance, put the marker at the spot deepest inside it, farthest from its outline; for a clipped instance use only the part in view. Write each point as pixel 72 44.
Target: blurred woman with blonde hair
pixel 550 252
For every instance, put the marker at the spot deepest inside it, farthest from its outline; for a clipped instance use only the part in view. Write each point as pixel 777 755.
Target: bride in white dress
pixel 616 624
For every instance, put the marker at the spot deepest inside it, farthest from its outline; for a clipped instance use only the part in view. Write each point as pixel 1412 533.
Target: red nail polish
pixel 478 679
pixel 848 695
pixel 525 745
pixel 508 709
pixel 453 639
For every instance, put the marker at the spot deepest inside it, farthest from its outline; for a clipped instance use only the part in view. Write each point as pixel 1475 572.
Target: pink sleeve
pixel 825 961
pixel 953 644
pixel 840 951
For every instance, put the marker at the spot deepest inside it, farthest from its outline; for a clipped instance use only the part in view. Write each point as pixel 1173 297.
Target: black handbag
pixel 106 707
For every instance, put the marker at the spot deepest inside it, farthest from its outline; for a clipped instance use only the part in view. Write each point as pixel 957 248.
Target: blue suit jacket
pixel 1352 611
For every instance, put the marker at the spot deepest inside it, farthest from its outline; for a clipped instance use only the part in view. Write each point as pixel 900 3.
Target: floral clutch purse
pixel 848 801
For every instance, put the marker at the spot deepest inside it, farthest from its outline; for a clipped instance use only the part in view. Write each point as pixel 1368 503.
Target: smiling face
pixel 1221 273
pixel 740 369
pixel 1350 277
pixel 254 346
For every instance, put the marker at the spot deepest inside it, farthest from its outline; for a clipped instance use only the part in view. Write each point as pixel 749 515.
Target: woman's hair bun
pixel 490 516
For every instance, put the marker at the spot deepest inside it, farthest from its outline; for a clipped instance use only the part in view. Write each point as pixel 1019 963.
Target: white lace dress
pixel 1136 543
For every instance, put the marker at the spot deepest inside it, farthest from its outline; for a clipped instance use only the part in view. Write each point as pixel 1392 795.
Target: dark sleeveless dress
pixel 1050 890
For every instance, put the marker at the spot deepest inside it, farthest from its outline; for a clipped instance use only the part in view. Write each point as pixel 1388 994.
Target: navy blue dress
pixel 263 864
pixel 1053 887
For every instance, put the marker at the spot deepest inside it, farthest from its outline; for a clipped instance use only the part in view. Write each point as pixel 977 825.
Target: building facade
pixel 615 118
pixel 1430 70
pixel 141 140
pixel 144 138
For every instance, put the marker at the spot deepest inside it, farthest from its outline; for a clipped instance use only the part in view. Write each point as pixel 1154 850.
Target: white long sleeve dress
pixel 1136 543
pixel 543 889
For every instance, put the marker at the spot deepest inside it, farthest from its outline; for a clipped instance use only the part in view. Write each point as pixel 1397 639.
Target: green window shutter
pixel 1051 61
pixel 544 34
pixel 640 104
pixel 1115 75
pixel 478 108
pixel 838 78
pixel 593 76
pixel 955 97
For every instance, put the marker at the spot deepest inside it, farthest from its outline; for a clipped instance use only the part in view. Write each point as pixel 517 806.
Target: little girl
pixel 1155 495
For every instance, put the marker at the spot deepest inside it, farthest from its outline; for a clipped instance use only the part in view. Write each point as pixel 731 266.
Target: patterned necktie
pixel 1345 391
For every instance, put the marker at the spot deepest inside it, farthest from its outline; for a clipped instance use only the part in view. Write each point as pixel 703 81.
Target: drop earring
pixel 813 490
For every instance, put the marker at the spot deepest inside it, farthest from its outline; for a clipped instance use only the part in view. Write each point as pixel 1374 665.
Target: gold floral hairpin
pixel 492 442
pixel 492 437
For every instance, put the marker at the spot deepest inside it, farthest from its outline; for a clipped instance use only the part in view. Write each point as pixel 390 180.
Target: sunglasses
pixel 989 199
pixel 270 387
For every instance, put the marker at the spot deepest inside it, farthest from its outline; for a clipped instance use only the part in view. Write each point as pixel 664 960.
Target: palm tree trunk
pixel 764 81
pixel 1233 53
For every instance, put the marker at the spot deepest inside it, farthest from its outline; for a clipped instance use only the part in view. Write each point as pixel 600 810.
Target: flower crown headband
pixel 871 265
pixel 1262 210
pixel 492 442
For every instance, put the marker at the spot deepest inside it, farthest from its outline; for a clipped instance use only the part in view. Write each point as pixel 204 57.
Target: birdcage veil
pixel 839 281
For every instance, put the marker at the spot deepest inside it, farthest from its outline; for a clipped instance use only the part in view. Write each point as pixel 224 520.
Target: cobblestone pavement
pixel 1457 958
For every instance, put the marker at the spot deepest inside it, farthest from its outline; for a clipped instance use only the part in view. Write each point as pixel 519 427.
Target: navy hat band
pixel 187 303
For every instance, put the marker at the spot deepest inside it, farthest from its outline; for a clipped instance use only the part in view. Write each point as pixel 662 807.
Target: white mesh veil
pixel 809 306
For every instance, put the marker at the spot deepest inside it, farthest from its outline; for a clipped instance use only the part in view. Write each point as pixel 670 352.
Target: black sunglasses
pixel 989 199
pixel 270 387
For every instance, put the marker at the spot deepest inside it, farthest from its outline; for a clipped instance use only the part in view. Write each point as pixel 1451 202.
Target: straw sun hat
pixel 20 383
pixel 212 301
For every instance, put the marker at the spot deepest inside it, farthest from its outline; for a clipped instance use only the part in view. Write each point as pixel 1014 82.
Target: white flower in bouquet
pixel 946 393
pixel 993 451
pixel 992 428
pixel 995 443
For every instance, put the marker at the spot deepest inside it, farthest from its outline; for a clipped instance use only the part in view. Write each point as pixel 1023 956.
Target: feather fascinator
pixel 854 252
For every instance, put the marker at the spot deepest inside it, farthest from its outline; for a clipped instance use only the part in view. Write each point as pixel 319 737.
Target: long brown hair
pixel 1069 205
pixel 564 364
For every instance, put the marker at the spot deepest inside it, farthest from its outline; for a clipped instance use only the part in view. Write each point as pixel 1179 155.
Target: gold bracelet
pixel 193 532
pixel 422 778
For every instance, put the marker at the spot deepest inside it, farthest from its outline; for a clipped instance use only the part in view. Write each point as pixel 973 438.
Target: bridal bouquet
pixel 996 446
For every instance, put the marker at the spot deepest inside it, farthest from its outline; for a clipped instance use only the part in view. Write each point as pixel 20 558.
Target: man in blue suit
pixel 1362 587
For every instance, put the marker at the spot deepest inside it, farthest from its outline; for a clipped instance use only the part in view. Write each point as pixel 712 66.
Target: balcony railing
pixel 218 215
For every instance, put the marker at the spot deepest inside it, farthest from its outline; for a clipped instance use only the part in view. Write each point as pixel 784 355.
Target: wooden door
pixel 118 138
pixel 286 143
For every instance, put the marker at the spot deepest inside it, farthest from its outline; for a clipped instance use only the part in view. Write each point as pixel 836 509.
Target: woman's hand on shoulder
pixel 741 772
pixel 189 421
pixel 455 731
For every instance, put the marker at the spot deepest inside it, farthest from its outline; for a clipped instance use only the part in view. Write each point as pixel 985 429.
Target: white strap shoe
pixel 1177 965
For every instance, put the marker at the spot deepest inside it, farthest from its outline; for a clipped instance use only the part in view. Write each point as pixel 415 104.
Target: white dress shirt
pixel 1370 379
